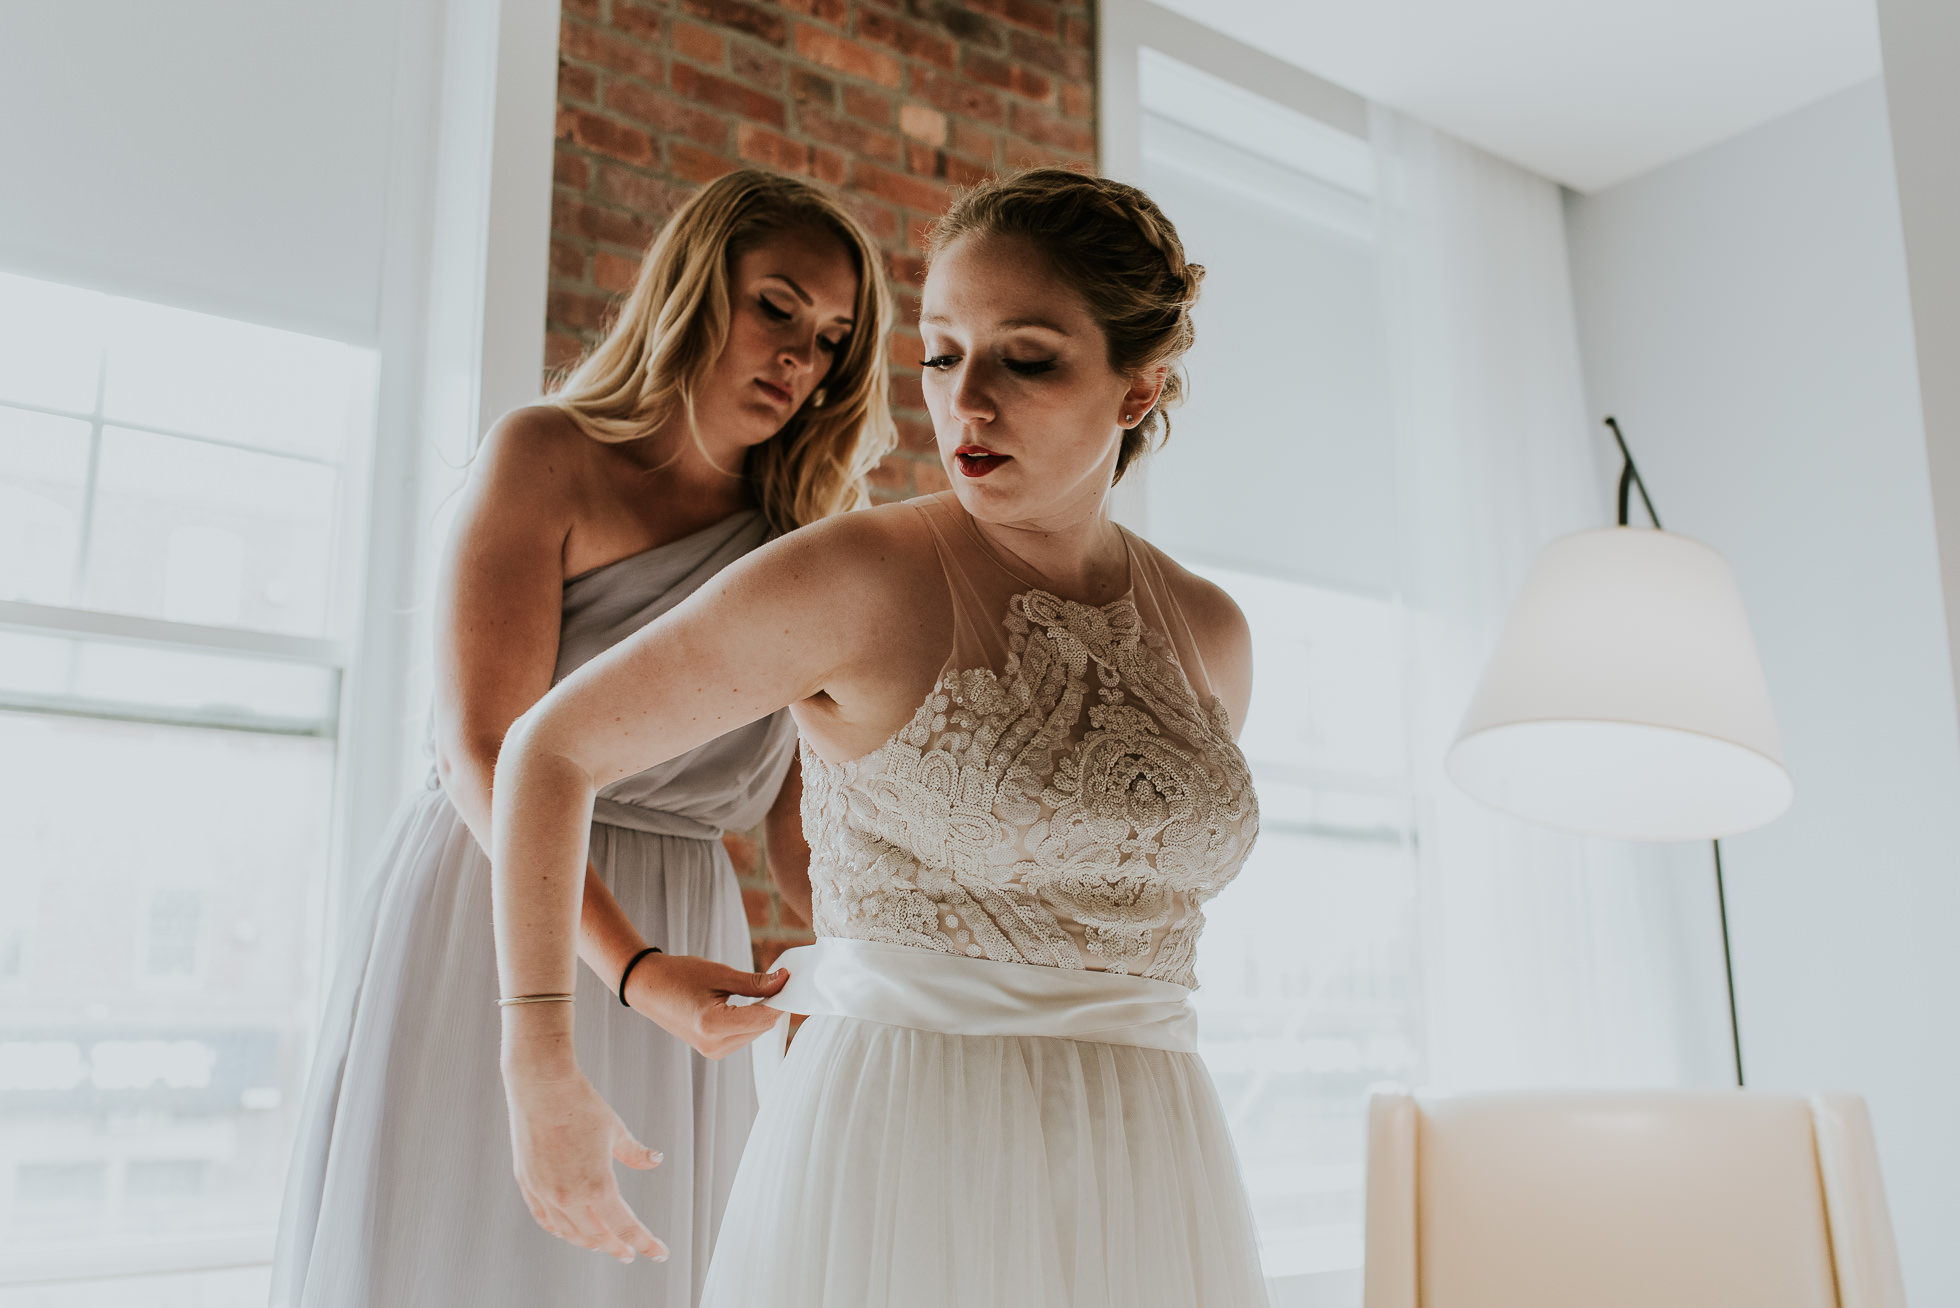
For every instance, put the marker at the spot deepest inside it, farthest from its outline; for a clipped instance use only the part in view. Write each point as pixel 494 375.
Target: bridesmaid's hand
pixel 564 1138
pixel 688 997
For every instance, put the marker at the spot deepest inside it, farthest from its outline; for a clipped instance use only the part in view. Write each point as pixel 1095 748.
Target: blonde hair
pixel 674 325
pixel 1115 248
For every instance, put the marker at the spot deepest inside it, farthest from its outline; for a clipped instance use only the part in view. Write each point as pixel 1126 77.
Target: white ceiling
pixel 1586 92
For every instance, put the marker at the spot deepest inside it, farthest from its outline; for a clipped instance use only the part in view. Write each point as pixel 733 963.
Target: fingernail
pixel 626 1261
pixel 660 1258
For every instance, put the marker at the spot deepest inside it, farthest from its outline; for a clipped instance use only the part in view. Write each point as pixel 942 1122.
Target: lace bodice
pixel 1069 794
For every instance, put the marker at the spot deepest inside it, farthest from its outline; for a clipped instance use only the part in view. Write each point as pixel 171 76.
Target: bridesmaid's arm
pixel 499 592
pixel 788 853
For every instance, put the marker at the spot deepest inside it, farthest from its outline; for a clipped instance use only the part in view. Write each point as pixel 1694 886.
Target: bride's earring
pixel 1128 418
pixel 817 397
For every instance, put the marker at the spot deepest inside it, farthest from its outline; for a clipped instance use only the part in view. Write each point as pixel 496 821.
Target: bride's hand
pixel 564 1137
pixel 689 998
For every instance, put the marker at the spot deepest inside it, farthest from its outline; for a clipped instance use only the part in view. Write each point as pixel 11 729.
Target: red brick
pixel 972 141
pixel 872 106
pixel 639 20
pixel 957 97
pixel 1035 15
pixel 828 129
pixel 756 907
pixel 907 393
pixel 561 350
pixel 827 165
pixel 930 478
pixel 755 66
pixel 666 115
pixel 893 477
pixel 915 434
pixel 923 124
pixel 576 83
pixel 829 11
pixel 1046 129
pixel 847 56
pixel 567 260
pixel 903 352
pixel 878 219
pixel 906 39
pixel 966 24
pixel 614 272
pixel 587 9
pixel 695 165
pixel 808 88
pixel 745 102
pixel 574 217
pixel 1018 153
pixel 1076 32
pixel 771 149
pixel 614 140
pixel 743 852
pixel 578 310
pixel 1049 56
pixel 922 160
pixel 568 169
pixel 756 20
pixel 911 192
pixel 961 173
pixel 918 236
pixel 695 42
pixel 653 197
pixel 589 45
pixel 1078 101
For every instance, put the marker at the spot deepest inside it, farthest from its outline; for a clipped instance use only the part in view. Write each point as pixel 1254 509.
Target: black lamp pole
pixel 1629 480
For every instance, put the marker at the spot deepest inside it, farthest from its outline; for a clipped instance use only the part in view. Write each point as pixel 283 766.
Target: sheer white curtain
pixel 1548 959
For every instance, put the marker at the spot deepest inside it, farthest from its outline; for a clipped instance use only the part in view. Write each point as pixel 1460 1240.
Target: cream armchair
pixel 1666 1199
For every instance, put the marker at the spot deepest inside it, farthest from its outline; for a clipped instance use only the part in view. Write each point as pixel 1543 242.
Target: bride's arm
pixel 785 623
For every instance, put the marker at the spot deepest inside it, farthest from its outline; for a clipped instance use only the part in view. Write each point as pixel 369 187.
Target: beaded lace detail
pixel 1074 809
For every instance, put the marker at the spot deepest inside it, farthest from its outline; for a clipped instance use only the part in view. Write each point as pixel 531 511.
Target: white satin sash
pixel 899 985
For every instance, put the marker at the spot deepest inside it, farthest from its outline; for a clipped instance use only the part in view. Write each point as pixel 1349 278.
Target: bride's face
pixel 1028 413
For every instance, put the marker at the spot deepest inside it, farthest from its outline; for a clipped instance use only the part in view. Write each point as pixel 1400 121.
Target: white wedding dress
pixel 997 1103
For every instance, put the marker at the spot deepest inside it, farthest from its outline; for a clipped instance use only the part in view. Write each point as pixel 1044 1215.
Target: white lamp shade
pixel 1625 697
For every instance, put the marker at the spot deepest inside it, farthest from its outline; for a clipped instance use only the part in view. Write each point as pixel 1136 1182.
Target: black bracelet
pixel 650 949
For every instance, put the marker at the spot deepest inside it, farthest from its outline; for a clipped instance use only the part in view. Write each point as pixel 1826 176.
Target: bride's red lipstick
pixel 977 460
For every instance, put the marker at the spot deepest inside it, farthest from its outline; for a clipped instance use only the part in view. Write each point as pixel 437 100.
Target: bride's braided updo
pixel 1115 248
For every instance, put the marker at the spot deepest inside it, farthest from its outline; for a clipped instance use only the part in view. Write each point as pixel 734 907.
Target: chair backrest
pixel 1689 1199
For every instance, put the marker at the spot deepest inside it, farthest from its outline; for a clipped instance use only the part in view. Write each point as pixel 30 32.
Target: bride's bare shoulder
pixel 1217 624
pixel 877 555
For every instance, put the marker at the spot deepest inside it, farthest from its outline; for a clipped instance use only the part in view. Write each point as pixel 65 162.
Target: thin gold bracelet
pixel 534 999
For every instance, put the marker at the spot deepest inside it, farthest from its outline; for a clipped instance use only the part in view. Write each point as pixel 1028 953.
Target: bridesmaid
pixel 740 394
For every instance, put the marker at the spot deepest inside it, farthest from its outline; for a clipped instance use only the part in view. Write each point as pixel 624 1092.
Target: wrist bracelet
pixel 534 999
pixel 635 962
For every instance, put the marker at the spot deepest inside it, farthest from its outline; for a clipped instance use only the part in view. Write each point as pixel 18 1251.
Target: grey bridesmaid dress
pixel 401 1191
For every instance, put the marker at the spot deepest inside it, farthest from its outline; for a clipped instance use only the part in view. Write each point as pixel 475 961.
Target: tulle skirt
pixel 401 1193
pixel 897 1168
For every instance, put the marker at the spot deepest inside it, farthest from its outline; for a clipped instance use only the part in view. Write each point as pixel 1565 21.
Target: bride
pixel 1021 786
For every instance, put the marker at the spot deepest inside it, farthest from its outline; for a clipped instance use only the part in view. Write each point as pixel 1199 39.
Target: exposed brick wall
pixel 891 102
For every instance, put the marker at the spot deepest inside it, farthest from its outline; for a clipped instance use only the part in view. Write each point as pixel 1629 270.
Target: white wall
pixel 1744 312
pixel 226 155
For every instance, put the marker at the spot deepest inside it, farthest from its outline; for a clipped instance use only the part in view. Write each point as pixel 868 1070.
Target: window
pixel 179 511
pixel 1279 483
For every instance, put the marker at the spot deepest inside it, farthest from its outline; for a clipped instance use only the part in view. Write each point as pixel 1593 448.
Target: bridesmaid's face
pixel 1027 410
pixel 789 312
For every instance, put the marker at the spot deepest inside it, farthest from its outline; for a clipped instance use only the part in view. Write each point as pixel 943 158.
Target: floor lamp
pixel 1625 698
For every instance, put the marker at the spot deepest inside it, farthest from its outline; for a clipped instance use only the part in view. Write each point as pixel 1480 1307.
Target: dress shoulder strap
pixel 1157 606
pixel 970 585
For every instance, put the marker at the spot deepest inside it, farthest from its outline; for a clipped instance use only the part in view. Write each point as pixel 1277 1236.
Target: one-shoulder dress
pixel 997 1100
pixel 401 1192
